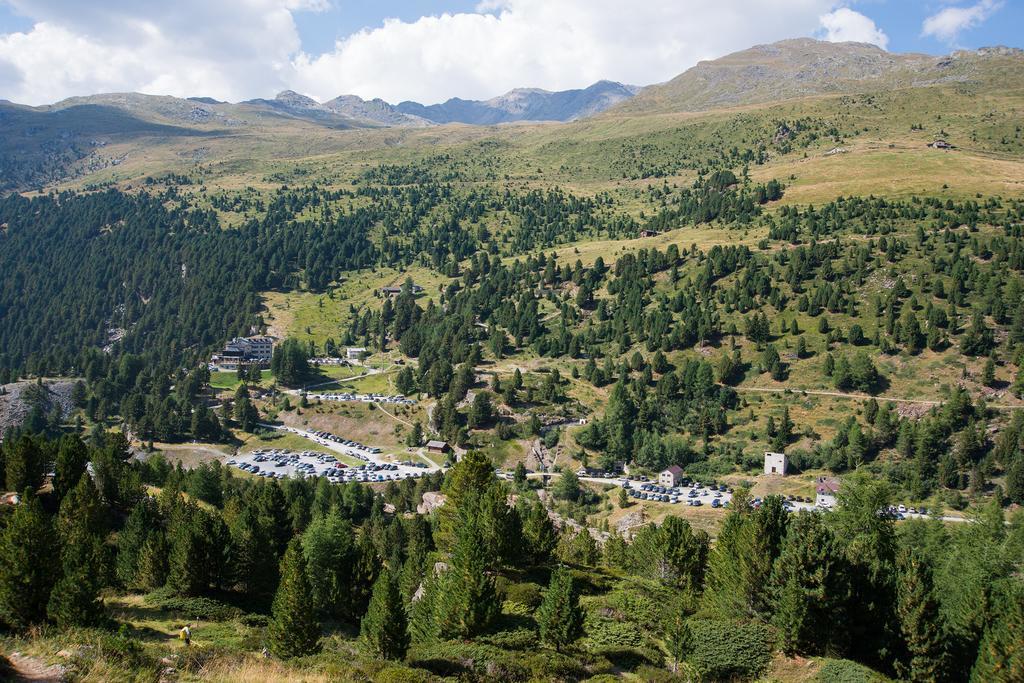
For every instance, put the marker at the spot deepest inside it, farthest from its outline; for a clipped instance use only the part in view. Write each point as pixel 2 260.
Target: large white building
pixel 245 351
pixel 774 463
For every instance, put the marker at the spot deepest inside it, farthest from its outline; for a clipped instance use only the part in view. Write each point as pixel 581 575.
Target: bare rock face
pixel 18 400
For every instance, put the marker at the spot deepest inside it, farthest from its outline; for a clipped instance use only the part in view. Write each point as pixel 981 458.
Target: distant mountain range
pixel 79 135
pixel 521 104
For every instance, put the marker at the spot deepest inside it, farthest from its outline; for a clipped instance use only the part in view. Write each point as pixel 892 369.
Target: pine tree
pixel 254 561
pixel 619 420
pixel 187 570
pixel 1000 656
pixel 467 601
pixel 28 548
pixel 383 630
pixel 329 548
pixel 470 477
pixel 293 630
pixel 131 540
pixel 988 373
pixel 75 598
pixel 679 638
pixel 539 533
pixel 25 464
pixel 415 438
pixel 808 589
pixel 502 527
pixel 559 615
pixel 153 566
pixel 920 622
pixel 272 509
pixel 72 457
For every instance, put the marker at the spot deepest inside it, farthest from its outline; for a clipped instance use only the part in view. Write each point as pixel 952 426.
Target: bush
pixel 110 651
pixel 401 674
pixel 476 660
pixel 845 671
pixel 527 594
pixel 207 609
pixel 255 620
pixel 726 650
pixel 602 634
pixel 514 639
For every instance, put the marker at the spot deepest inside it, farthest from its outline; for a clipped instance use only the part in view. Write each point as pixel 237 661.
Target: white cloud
pixel 554 45
pixel 222 48
pixel 844 24
pixel 238 49
pixel 947 24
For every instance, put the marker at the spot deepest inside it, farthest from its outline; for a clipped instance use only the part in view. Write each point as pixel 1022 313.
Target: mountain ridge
pixel 801 67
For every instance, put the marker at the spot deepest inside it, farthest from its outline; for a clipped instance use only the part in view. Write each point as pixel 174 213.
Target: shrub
pixel 845 671
pixel 110 651
pixel 401 674
pixel 192 608
pixel 602 634
pixel 726 650
pixel 527 594
pixel 513 639
pixel 477 660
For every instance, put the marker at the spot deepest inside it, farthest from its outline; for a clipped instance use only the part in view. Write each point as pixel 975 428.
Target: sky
pixel 431 50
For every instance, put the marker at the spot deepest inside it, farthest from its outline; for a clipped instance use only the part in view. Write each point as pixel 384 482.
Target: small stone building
pixel 774 463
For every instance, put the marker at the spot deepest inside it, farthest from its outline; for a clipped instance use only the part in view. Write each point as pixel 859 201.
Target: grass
pixel 359 422
pixel 192 455
pixel 319 317
pixel 287 441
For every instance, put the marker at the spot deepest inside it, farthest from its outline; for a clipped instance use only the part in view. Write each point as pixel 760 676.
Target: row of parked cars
pixel 364 398
pixel 900 511
pixel 327 436
pixel 255 469
pixel 692 498
pixel 370 473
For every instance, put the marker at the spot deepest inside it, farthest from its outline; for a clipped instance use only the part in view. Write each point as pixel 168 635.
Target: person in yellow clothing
pixel 185 635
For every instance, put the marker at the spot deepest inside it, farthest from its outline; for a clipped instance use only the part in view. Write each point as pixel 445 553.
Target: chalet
pixel 774 463
pixel 670 476
pixel 441 447
pixel 940 144
pixel 355 352
pixel 649 233
pixel 825 492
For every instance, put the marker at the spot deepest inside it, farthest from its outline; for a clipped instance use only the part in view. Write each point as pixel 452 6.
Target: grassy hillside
pixel 718 269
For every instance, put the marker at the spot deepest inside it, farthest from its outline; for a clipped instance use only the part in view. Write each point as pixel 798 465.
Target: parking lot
pixel 281 464
pixel 361 398
pixel 695 494
pixel 369 455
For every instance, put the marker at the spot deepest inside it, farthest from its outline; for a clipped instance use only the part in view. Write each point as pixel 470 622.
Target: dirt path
pixel 860 397
pixel 392 416
pixel 34 669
